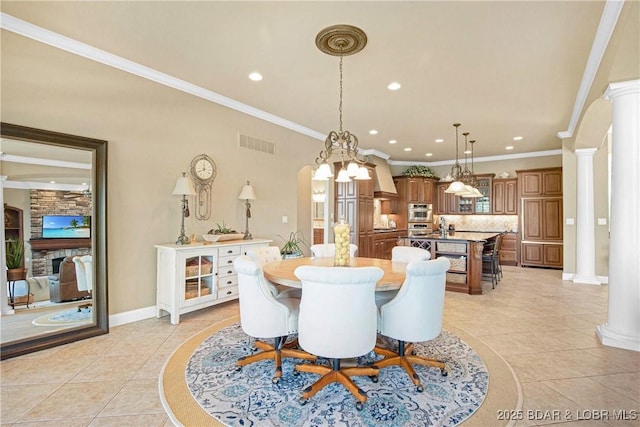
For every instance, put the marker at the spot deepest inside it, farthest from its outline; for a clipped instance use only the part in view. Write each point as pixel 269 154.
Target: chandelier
pixel 341 40
pixel 464 181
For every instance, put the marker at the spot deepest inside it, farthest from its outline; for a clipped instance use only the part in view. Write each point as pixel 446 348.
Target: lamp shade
pixel 183 187
pixel 363 173
pixel 343 176
pixel 352 169
pixel 322 173
pixel 247 192
pixel 455 187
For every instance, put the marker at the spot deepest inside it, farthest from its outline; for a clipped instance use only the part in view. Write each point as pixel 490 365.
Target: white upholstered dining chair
pixel 265 315
pixel 337 320
pixel 264 255
pixel 414 315
pixel 401 254
pixel 328 250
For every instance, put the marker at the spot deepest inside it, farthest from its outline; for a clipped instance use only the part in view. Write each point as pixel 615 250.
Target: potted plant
pixel 15 260
pixel 291 247
pixel 419 170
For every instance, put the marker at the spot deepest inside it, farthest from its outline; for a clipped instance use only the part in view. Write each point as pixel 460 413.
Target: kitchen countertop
pixel 387 230
pixel 472 236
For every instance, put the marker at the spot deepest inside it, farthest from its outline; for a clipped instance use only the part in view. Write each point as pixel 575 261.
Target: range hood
pixel 384 185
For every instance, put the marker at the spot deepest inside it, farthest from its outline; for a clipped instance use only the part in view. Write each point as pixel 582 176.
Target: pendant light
pixel 456 171
pixel 341 40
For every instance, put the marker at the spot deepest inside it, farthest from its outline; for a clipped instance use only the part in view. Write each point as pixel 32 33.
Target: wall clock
pixel 203 171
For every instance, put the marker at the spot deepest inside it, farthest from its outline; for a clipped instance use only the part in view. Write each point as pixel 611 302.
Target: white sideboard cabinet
pixel 191 277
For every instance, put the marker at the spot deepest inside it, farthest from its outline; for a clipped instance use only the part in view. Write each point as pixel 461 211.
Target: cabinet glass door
pixel 198 276
pixel 483 204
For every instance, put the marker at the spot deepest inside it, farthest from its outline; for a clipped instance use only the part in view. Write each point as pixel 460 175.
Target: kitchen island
pixel 464 250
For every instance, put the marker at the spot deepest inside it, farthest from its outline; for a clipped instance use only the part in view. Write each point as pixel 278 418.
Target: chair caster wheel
pixel 302 401
pixel 275 380
pixel 419 388
pixel 359 406
pixel 444 372
pixel 374 378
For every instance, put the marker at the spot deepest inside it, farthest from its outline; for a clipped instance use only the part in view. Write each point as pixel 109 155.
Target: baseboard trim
pixel 132 316
pixel 604 280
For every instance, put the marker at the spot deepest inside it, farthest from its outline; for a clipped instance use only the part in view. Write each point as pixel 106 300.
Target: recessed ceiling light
pixel 407 149
pixel 517 138
pixel 392 141
pixel 429 154
pixel 373 132
pixel 52 182
pixel 439 140
pixel 509 147
pixel 394 86
pixel 256 77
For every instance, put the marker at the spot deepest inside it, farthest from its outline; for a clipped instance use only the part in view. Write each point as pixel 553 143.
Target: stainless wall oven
pixel 419 212
pixel 417 229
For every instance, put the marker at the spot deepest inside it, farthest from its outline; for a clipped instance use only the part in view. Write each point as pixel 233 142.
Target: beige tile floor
pixel 544 328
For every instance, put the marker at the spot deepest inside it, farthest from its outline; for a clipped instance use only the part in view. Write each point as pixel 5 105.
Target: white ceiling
pixel 502 69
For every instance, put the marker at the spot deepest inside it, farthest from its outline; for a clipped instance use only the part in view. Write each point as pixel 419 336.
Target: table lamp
pixel 183 188
pixel 247 194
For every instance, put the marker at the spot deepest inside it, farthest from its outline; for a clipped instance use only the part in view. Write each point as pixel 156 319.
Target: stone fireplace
pixel 44 251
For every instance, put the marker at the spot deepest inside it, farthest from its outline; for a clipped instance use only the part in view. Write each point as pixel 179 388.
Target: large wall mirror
pixel 49 177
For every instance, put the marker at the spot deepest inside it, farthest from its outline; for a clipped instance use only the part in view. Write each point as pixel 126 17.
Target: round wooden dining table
pixel 282 272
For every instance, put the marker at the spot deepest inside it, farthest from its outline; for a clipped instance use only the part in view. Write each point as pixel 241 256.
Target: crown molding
pixel 481 159
pixel 10 23
pixel 608 21
pixel 10 158
pixel 35 185
pixel 26 29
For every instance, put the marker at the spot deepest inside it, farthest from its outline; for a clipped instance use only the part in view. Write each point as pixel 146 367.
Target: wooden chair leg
pixel 276 354
pixel 406 360
pixel 342 376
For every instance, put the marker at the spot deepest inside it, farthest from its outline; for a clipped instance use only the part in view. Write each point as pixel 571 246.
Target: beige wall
pixel 153 133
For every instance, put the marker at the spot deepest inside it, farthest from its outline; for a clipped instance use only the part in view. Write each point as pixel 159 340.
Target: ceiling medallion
pixel 341 40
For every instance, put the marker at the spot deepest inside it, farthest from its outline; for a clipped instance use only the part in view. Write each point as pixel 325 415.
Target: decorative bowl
pixel 504 175
pixel 222 237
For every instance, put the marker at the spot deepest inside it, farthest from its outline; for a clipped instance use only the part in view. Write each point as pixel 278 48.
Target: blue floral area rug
pixel 249 398
pixel 68 317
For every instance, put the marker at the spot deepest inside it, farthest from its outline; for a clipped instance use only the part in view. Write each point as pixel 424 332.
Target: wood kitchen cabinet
pixel 540 182
pixel 354 204
pixel 412 190
pixel 385 241
pixel 541 216
pixel 505 196
pixel 509 249
pixel 446 203
pixel 415 189
pixel 450 204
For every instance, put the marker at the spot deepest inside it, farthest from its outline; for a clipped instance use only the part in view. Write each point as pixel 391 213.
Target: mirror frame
pixel 98 239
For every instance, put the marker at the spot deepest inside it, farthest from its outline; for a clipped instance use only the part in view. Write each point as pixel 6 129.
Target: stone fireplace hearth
pixel 42 261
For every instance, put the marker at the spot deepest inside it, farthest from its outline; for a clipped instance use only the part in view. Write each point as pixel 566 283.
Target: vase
pixel 341 240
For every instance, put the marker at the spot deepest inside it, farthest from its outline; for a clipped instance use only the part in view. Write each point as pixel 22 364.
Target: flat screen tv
pixel 66 226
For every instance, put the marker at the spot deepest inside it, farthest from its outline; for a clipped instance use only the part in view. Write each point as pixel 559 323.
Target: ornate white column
pixel 622 328
pixel 585 227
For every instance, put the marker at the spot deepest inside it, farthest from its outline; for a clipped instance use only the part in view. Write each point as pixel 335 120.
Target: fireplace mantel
pixel 52 244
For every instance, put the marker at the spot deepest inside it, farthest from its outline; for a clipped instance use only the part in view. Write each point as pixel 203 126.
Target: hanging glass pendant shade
pixel 456 171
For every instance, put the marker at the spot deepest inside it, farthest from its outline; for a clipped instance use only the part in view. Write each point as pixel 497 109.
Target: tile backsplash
pixel 480 222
